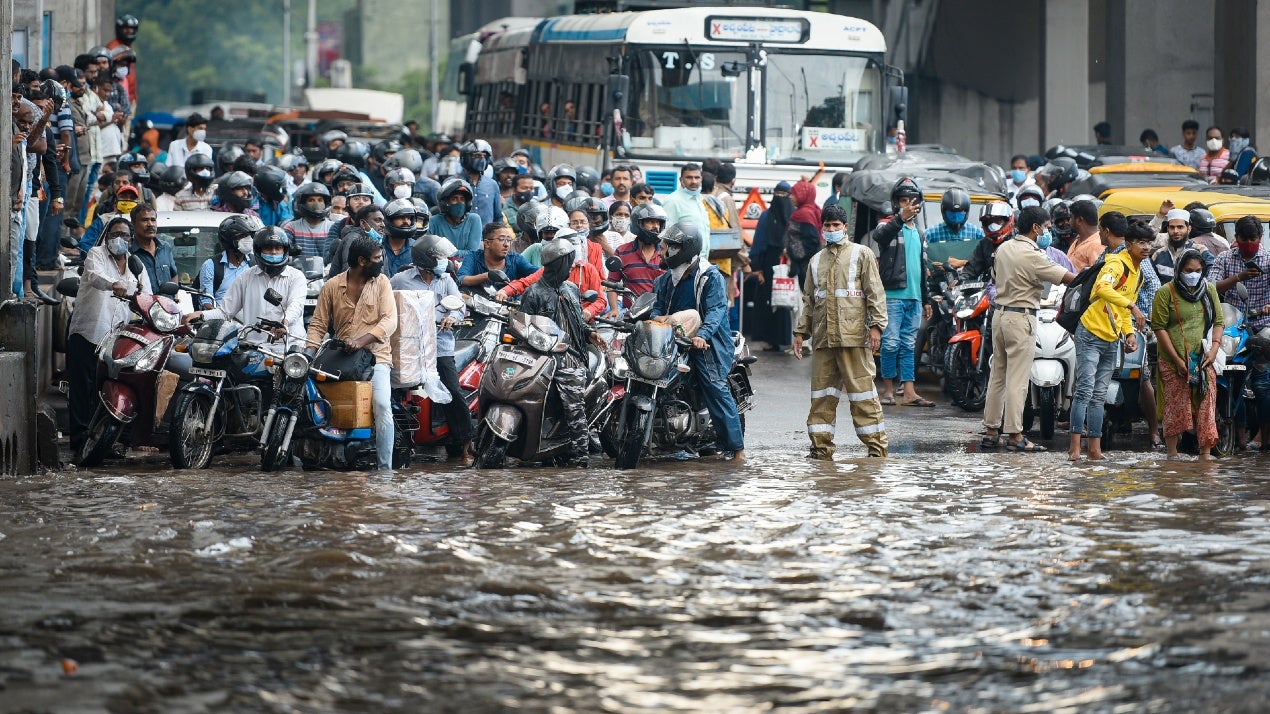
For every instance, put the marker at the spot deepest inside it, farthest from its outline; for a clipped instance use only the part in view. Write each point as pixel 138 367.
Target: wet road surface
pixel 937 580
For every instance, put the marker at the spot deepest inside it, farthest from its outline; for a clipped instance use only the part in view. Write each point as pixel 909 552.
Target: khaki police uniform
pixel 843 298
pixel 1019 271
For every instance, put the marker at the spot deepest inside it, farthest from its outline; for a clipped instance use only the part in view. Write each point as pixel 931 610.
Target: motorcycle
pixel 1053 378
pixel 1122 394
pixel 966 363
pixel 469 359
pixel 1234 360
pixel 940 328
pixel 314 269
pixel 130 362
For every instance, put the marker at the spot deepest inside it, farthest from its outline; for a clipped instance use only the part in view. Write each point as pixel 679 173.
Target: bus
pixel 781 93
pixel 452 104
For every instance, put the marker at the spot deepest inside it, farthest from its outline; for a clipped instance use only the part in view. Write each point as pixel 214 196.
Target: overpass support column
pixel 1065 73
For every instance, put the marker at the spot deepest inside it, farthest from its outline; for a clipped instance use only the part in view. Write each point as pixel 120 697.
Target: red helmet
pixel 997 221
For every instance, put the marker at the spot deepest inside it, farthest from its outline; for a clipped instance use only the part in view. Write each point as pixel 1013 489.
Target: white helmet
pixel 554 217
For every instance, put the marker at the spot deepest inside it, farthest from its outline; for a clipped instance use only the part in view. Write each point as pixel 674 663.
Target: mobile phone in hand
pixel 1252 265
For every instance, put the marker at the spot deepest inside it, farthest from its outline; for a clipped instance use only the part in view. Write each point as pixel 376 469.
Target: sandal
pixel 1024 445
pixel 919 402
pixel 991 442
pixel 888 401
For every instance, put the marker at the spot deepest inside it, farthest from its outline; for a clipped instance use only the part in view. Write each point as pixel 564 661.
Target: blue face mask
pixel 1045 239
pixel 956 219
pixel 456 210
pixel 1018 175
pixel 834 237
pixel 441 266
pixel 272 258
pixel 693 192
pixel 375 234
pixel 606 188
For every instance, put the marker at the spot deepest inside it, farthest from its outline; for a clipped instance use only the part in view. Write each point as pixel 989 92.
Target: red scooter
pixel 130 362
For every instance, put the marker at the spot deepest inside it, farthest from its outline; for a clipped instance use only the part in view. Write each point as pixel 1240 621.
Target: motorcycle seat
pixel 465 353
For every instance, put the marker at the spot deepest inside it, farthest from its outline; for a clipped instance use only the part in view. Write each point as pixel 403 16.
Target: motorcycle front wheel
pixel 969 385
pixel 191 442
pixel 271 457
pixel 631 445
pixel 102 433
pixel 491 451
pixel 1049 398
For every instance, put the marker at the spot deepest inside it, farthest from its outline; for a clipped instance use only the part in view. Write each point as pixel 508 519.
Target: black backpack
pixel 1080 293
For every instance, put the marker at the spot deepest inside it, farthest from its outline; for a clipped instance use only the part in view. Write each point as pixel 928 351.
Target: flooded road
pixel 936 580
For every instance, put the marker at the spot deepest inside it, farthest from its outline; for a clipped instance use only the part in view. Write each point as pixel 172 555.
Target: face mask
pixel 1190 280
pixel 606 188
pixel 374 234
pixel 456 210
pixel 479 165
pixel 956 219
pixel 441 266
pixel 1238 145
pixel 834 237
pixel 401 190
pixel 993 227
pixel 200 135
pixel 273 258
pixel 125 207
pixel 203 173
pixel 562 192
pixel 1214 144
pixel 372 270
pixel 121 72
pixel 244 246
pixel 117 246
pixel 694 192
pixel 1045 239
pixel 523 197
pixel 1018 175
pixel 1248 250
pixel 1028 203
pixel 621 225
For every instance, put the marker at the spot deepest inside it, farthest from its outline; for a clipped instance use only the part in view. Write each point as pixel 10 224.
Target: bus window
pixel 822 107
pixel 684 104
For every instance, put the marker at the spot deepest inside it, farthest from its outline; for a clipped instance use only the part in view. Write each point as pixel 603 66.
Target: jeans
pixel 17 237
pixel 713 382
pixel 1095 362
pixel 89 184
pixel 899 340
pixel 381 404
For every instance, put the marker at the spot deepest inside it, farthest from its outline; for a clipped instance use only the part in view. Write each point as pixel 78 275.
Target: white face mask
pixel 401 190
pixel 562 192
pixel 244 246
pixel 200 134
pixel 117 246
pixel 1190 280
pixel 834 237
pixel 204 173
pixel 1214 144
pixel 621 225
pixel 121 72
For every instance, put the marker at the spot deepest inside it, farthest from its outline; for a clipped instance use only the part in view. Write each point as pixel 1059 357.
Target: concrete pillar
pixel 1065 73
pixel 1260 91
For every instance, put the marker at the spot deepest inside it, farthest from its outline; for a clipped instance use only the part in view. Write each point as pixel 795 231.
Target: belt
pixel 1024 310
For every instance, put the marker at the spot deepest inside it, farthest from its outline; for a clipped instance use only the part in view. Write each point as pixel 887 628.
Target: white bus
pixel 778 92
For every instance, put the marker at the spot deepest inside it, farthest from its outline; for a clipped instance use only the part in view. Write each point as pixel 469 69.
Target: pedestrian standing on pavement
pixel 903 268
pixel 1020 271
pixel 1107 321
pixel 844 314
pixel 1086 246
pixel 1185 311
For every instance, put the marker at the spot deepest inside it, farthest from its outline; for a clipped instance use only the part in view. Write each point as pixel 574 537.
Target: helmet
pixel 226 191
pixel 588 179
pixel 1060 171
pixel 955 207
pixel 270 237
pixel 326 138
pixel 291 162
pixel 397 208
pixel 383 150
pixel 126 29
pixel 1062 212
pixel 682 243
pixel 575 202
pixel 324 172
pixel 505 165
pixel 470 156
pixel 232 229
pixel 539 175
pixel 1031 194
pixel 311 188
pixel 527 217
pixel 409 159
pixel 1202 221
pixel 561 171
pixel 345 174
pixel 997 221
pixel 1228 176
pixel 452 186
pixel 128 160
pixel 428 249
pixel 557 248
pixel 271 182
pixel 423 213
pixel 99 52
pixel 1259 174
pixel 1051 202
pixel 397 177
pixel 353 152
pixel 906 187
pixel 595 209
pixel 644 212
pixel 198 169
pixel 171 180
pixel 553 219
pixel 226 156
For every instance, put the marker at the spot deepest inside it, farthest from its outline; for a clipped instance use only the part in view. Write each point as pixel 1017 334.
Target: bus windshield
pixel 692 102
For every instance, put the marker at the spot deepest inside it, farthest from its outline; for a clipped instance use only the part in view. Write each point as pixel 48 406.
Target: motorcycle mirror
pixel 69 242
pixel 590 296
pixel 169 288
pixel 295 251
pixel 452 302
pixel 498 277
pixel 273 297
pixel 68 286
pixel 135 266
pixel 1242 291
pixel 613 263
pixel 317 274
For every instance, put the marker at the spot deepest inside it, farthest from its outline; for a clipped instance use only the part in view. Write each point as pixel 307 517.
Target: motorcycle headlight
pixel 964 313
pixel 1228 345
pixel 541 341
pixel 295 365
pixel 149 356
pixel 163 320
pixel 650 367
pixel 203 351
pixel 621 368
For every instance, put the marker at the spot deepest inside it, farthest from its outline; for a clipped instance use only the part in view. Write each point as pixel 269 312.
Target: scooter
pixel 1234 359
pixel 940 328
pixel 966 362
pixel 469 359
pixel 1053 378
pixel 1122 394
pixel 130 362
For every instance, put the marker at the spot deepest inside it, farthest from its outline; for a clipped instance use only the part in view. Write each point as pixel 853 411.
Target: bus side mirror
pixel 899 102
pixel 619 91
pixel 467 78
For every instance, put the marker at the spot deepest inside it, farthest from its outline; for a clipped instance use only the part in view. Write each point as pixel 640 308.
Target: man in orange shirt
pixel 1086 247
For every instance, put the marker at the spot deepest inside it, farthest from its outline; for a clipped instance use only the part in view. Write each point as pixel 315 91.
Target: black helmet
pixel 170 180
pixel 99 52
pixel 1259 174
pixel 291 162
pixel 1060 171
pixel 576 202
pixel 527 218
pixel 429 249
pixel 597 215
pixel 226 156
pixel 906 187
pixel 451 186
pixel 229 184
pixel 470 156
pixel 129 161
pixel 345 174
pixel 1228 176
pixel 409 159
pixel 644 212
pixel 505 165
pixel 353 152
pixel 126 29
pixel 562 171
pixel 396 209
pixel 326 138
pixel 1062 212
pixel 234 228
pixel 324 172
pixel 312 188
pixel 198 169
pixel 423 214
pixel 271 237
pixel 271 182
pixel 539 175
pixel 588 179
pixel 1202 221
pixel 384 150
pixel 682 243
pixel 955 207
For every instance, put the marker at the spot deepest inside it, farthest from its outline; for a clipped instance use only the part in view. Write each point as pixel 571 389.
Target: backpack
pixel 218 273
pixel 1080 293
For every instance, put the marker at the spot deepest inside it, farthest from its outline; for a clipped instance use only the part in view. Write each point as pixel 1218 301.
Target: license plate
pixel 518 358
pixel 207 372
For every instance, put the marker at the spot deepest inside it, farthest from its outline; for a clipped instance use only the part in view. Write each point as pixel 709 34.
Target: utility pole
pixel 311 47
pixel 435 96
pixel 286 53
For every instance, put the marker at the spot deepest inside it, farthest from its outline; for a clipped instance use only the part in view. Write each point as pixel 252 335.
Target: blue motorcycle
pixel 1233 362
